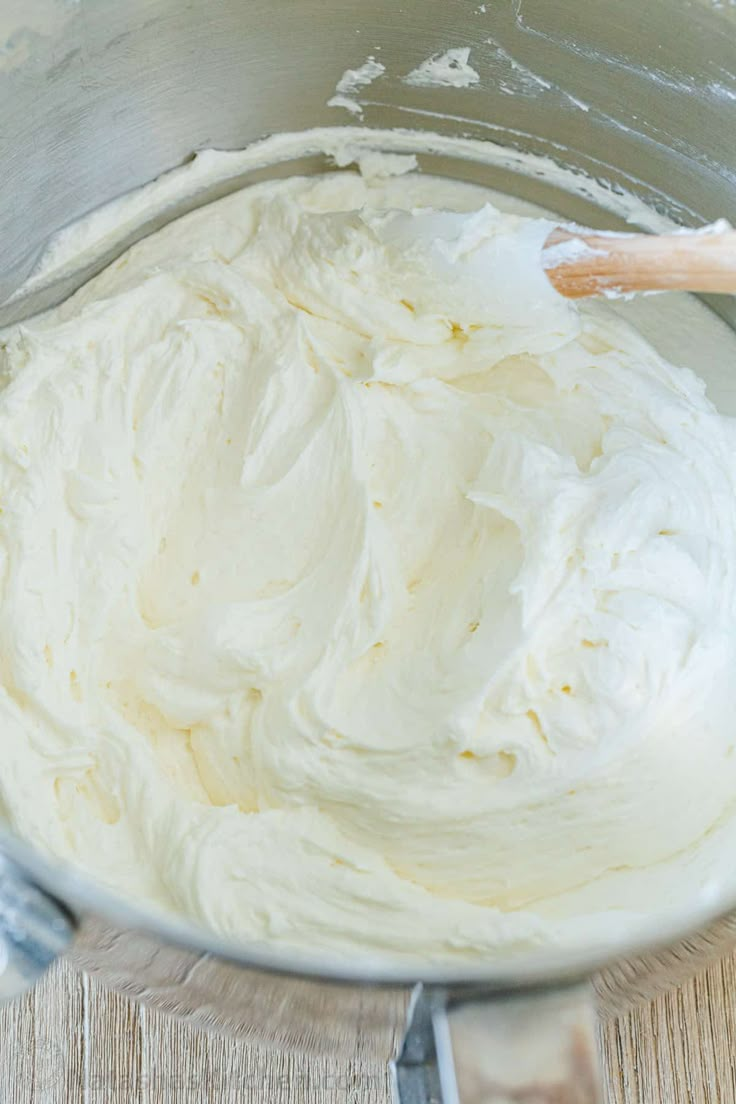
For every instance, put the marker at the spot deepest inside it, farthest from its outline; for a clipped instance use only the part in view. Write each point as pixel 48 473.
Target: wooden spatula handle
pixel 626 263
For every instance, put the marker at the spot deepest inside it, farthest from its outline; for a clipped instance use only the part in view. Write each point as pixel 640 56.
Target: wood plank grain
pixel 680 1048
pixel 188 1065
pixel 72 1041
pixel 42 1036
pixel 115 1043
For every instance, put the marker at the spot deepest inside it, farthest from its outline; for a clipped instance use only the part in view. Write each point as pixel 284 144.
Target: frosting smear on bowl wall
pixel 357 590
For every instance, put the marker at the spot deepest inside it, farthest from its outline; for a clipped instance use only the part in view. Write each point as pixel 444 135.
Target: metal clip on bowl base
pixel 513 1048
pixel 34 931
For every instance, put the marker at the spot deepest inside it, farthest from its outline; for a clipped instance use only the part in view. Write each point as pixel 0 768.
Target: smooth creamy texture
pixel 357 591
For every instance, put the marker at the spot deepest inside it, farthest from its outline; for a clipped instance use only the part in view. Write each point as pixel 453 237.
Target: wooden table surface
pixel 72 1041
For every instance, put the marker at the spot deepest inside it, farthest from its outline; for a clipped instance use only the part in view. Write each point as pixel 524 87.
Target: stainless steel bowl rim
pixel 549 965
pixel 109 100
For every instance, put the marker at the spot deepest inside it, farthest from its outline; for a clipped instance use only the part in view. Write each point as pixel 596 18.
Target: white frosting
pixel 450 69
pixel 358 591
pixel 103 230
pixel 352 81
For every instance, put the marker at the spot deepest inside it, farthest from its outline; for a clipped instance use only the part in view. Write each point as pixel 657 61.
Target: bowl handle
pixel 502 1048
pixel 34 930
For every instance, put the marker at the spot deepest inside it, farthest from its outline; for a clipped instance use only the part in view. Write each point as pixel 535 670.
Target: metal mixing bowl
pixel 99 97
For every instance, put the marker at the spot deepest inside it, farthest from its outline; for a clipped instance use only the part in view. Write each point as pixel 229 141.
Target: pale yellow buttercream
pixel 358 591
